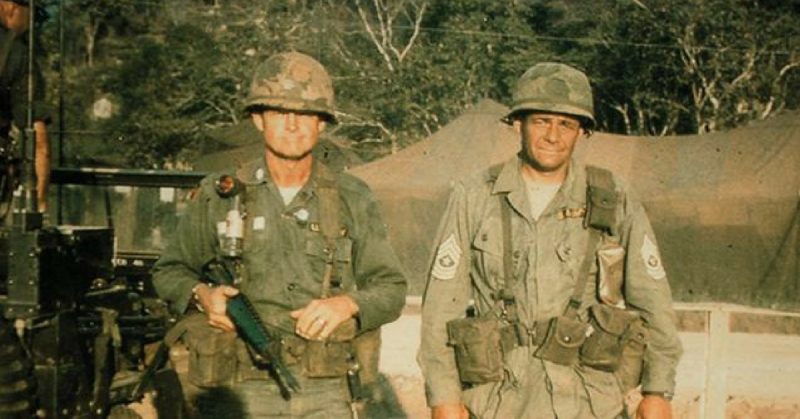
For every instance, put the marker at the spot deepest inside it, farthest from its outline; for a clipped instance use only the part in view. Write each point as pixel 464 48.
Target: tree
pixel 402 69
pixel 691 66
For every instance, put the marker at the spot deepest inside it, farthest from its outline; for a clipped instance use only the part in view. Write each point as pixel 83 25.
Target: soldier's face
pixel 289 135
pixel 548 140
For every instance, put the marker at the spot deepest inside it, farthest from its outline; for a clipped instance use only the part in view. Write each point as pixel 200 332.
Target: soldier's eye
pixel 569 125
pixel 539 122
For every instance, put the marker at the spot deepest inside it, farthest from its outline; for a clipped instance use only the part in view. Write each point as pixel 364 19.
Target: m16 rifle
pixel 228 269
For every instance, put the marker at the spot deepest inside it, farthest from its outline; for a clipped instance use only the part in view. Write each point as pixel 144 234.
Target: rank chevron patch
pixel 447 257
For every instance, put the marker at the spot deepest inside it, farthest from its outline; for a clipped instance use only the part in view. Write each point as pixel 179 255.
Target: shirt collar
pixel 572 189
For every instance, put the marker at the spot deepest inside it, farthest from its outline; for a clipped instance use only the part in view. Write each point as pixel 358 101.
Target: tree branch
pixel 378 44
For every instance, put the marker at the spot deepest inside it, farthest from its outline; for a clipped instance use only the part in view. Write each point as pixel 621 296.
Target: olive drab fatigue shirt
pixel 546 256
pixel 284 249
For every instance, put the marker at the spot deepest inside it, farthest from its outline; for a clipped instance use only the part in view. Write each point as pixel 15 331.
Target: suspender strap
pixel 589 259
pixel 601 205
pixel 328 225
pixel 505 219
pixel 506 297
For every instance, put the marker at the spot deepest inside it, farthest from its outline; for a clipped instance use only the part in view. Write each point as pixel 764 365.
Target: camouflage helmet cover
pixel 554 87
pixel 294 82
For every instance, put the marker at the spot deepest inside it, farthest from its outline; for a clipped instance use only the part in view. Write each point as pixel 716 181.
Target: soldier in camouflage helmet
pixel 292 81
pixel 554 87
pixel 318 267
pixel 546 295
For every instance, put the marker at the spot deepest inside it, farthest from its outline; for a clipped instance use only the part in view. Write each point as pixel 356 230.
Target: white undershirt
pixel 288 193
pixel 539 195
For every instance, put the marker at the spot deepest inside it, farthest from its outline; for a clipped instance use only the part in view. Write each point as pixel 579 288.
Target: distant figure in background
pixel 546 297
pixel 14 22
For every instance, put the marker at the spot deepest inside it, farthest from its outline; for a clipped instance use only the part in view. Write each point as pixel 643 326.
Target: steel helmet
pixel 295 82
pixel 554 87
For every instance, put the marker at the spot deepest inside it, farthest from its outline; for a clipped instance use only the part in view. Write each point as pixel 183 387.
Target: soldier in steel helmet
pixel 14 22
pixel 546 295
pixel 318 268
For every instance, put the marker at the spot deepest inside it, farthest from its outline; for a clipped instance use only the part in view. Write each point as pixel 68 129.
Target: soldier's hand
pixel 214 302
pixel 654 407
pixel 320 318
pixel 449 411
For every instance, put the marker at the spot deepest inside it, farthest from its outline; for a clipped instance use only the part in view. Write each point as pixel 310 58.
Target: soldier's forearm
pixel 42 164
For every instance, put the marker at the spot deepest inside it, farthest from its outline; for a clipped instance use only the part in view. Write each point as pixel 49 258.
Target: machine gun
pixel 76 327
pixel 229 270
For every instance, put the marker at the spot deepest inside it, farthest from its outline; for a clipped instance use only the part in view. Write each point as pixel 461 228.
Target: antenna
pixel 26 216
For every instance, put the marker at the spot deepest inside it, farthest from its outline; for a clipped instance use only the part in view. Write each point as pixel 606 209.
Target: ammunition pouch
pixel 604 345
pixel 478 350
pixel 331 357
pixel 212 353
pixel 327 359
pixel 563 340
pixel 635 341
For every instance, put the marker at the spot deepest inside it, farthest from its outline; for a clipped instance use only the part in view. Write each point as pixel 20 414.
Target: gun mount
pixel 81 320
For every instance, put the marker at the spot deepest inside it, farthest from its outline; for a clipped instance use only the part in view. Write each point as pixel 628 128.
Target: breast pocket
pixel 256 234
pixel 488 252
pixel 570 251
pixel 318 255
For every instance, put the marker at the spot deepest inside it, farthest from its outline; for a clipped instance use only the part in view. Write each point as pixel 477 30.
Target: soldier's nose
pixel 291 121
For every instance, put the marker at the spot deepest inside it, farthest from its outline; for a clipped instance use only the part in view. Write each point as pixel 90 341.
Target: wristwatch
pixel 666 395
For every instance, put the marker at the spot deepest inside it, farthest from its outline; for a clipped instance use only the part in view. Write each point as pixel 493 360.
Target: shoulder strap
pixel 601 205
pixel 601 199
pixel 505 220
pixel 506 297
pixel 329 225
pixel 589 258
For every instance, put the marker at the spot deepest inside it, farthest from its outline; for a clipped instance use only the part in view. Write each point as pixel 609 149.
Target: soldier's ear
pixel 321 125
pixel 258 120
pixel 517 124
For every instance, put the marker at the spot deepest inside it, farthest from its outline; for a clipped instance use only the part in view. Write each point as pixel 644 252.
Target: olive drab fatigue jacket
pixel 546 256
pixel 284 249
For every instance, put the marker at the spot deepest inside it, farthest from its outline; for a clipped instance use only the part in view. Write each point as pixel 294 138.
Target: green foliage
pixel 177 69
pixel 692 66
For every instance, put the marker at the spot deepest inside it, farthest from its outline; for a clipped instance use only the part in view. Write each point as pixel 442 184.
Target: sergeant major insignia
pixel 652 261
pixel 447 257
